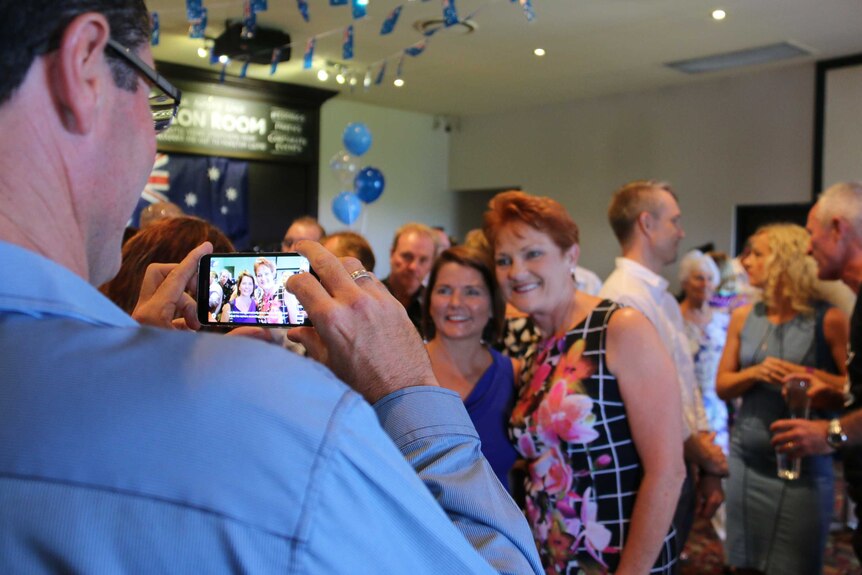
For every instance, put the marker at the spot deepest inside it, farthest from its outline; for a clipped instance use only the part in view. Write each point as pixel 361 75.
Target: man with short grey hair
pixel 835 225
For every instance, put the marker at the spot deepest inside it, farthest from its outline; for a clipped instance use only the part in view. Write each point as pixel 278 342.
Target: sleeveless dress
pixel 776 526
pixel 570 424
pixel 239 316
pixel 489 406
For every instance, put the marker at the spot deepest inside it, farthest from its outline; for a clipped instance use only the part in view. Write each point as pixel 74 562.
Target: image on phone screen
pixel 250 289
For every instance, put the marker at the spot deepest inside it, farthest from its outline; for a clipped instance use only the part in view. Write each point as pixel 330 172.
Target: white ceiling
pixel 594 47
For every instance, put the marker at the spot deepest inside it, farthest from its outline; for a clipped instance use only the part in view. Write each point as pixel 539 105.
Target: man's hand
pixel 800 437
pixel 709 495
pixel 165 300
pixel 712 460
pixel 360 330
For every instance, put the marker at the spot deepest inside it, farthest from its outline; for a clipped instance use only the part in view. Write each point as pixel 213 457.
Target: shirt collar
pixel 37 286
pixel 642 273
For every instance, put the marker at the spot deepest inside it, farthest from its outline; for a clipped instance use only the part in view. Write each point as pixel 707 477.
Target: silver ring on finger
pixel 359 274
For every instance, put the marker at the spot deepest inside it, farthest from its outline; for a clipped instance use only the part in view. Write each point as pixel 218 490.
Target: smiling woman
pixel 602 472
pixel 462 316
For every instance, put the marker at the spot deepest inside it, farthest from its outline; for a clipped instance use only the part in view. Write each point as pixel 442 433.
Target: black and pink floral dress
pixel 570 425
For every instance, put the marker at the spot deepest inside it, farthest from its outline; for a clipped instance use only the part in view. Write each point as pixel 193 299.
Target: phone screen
pixel 250 289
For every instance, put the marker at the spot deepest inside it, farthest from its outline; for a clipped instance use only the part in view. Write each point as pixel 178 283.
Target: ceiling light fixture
pixel 203 52
pixel 398 82
pixel 539 51
pixel 339 78
pixel 322 75
pixel 719 14
pixel 223 59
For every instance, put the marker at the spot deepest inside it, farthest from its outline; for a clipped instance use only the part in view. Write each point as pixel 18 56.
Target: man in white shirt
pixel 645 218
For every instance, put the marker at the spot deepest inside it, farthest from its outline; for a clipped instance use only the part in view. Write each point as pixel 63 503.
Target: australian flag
pixel 214 189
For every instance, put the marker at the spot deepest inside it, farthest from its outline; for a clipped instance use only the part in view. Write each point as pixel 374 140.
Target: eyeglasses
pixel 164 96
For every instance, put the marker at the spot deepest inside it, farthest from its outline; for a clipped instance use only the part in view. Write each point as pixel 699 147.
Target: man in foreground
pixel 126 448
pixel 835 225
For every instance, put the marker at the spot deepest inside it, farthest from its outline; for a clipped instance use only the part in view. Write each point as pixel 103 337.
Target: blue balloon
pixel 369 184
pixel 357 138
pixel 346 207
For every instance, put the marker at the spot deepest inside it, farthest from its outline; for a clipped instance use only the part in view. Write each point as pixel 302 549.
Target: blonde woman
pixel 774 526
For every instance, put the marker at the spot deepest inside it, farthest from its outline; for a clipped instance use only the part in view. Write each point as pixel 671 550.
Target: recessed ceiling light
pixel 223 59
pixel 322 75
pixel 398 82
pixel 719 14
pixel 539 51
pixel 202 52
pixel 339 78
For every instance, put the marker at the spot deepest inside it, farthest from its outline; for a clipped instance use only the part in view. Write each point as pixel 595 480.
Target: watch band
pixel 835 436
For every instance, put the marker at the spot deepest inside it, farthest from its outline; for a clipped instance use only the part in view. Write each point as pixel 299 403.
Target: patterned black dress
pixel 570 424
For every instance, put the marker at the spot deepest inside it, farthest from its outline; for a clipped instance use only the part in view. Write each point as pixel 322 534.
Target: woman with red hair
pixel 604 473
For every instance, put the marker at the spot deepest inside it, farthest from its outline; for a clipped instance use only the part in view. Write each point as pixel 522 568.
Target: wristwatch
pixel 835 436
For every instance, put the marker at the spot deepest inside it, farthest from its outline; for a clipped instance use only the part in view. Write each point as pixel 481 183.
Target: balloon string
pixel 364 218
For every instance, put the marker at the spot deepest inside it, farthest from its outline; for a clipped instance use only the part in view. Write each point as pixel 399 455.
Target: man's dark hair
pixel 31 28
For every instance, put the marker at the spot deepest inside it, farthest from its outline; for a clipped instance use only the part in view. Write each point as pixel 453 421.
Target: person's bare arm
pixel 647 381
pixel 733 381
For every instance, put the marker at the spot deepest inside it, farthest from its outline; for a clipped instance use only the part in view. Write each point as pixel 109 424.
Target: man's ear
pixel 81 71
pixel 840 229
pixel 644 222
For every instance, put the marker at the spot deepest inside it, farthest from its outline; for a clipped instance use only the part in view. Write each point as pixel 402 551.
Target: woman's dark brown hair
pixel 167 242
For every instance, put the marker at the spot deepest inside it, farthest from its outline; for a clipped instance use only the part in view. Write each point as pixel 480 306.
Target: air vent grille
pixel 739 59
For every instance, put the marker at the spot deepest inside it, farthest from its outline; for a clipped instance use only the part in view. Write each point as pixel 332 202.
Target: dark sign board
pixel 212 121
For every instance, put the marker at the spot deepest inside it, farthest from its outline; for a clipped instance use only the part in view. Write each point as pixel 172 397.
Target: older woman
pixel 604 471
pixel 776 526
pixel 269 296
pixel 462 315
pixel 706 329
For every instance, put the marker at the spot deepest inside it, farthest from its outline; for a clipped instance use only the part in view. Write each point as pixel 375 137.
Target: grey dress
pixel 776 526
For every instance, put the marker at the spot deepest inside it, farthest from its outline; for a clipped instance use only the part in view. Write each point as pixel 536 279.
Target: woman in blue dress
pixel 462 316
pixel 776 526
pixel 242 307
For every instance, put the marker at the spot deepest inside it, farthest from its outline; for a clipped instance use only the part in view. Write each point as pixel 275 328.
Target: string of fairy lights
pixel 345 71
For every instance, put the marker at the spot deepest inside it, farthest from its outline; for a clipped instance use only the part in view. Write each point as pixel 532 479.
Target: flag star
pixel 224 210
pixel 191 200
pixel 214 174
pixel 231 194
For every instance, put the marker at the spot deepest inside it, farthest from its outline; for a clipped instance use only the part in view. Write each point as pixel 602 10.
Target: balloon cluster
pixel 359 185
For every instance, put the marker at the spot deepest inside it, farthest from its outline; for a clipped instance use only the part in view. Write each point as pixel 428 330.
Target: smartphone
pixel 250 289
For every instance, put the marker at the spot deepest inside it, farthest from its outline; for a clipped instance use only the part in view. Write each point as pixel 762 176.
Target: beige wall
pixel 723 142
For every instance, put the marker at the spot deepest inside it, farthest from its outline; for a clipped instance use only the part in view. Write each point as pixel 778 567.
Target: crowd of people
pixel 509 412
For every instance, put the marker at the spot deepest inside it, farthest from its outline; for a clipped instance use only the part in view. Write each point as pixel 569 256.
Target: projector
pixel 257 48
